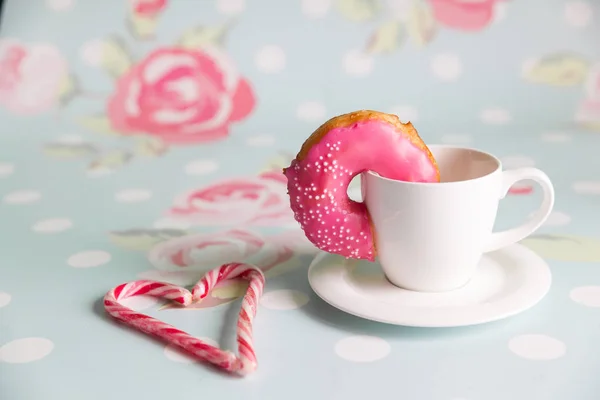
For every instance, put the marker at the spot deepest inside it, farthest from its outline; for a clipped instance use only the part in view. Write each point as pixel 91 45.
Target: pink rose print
pixel 588 113
pixel 201 252
pixel 521 189
pixel 185 259
pixel 260 201
pixel 148 8
pixel 519 161
pixel 30 77
pixel 181 96
pixel 467 15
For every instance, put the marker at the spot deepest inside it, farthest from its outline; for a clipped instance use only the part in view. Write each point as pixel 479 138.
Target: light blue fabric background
pixel 513 86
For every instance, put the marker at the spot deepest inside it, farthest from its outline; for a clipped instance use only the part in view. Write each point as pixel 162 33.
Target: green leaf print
pixel 70 150
pixel 149 146
pixel 142 27
pixel 110 160
pixel 565 247
pixel 98 124
pixel 143 239
pixel 557 69
pixel 204 36
pixel 421 24
pixel 68 89
pixel 358 10
pixel 115 58
pixel 388 37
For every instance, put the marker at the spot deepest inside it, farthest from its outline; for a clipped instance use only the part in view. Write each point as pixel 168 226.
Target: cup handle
pixel 513 235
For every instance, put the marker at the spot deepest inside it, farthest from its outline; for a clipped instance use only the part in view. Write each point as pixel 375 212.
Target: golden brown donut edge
pixel 345 120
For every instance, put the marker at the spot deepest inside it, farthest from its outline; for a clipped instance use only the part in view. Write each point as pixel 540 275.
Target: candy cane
pixel 242 364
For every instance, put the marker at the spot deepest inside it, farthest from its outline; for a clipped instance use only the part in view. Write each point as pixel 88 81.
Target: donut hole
pixel 354 189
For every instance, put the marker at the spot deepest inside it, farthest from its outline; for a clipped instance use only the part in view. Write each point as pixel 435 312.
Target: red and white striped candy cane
pixel 242 364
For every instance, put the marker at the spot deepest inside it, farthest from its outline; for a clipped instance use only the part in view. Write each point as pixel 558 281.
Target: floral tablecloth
pixel 128 123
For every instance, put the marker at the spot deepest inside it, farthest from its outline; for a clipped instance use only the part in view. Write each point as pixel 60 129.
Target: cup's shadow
pixel 324 313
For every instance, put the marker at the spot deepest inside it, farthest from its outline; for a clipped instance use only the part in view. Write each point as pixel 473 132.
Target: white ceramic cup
pixel 431 236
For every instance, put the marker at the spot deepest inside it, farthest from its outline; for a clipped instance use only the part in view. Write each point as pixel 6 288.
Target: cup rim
pixel 437 184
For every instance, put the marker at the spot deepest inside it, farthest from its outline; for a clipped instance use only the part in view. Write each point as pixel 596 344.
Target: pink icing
pixel 318 184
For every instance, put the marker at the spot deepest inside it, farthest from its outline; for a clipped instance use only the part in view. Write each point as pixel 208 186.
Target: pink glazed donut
pixel 340 149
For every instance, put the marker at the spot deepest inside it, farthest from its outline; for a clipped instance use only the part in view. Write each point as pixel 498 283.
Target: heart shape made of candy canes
pixel 242 364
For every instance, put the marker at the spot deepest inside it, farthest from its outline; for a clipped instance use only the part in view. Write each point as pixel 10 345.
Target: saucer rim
pixel 538 291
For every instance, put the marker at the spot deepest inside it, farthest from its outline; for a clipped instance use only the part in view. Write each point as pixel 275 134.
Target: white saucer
pixel 508 281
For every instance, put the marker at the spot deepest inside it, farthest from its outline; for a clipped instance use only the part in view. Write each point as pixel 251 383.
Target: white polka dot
pixel 4 299
pixel 201 167
pixel 362 348
pixel 578 13
pixel 178 355
pixel 537 347
pixel 456 139
pixel 311 111
pixel 586 295
pixel 171 223
pixel 25 350
pixel 231 7
pixel 587 187
pixel 283 299
pixel 92 52
pixel 315 8
pixel 60 5
pixel 90 258
pixel 22 197
pixel 6 169
pixel 270 59
pixel 133 195
pixel 446 67
pixel 52 225
pixel 554 137
pixel 517 161
pixel 357 63
pixel 405 113
pixel 261 141
pixel 140 303
pixel 495 116
pixel 557 218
